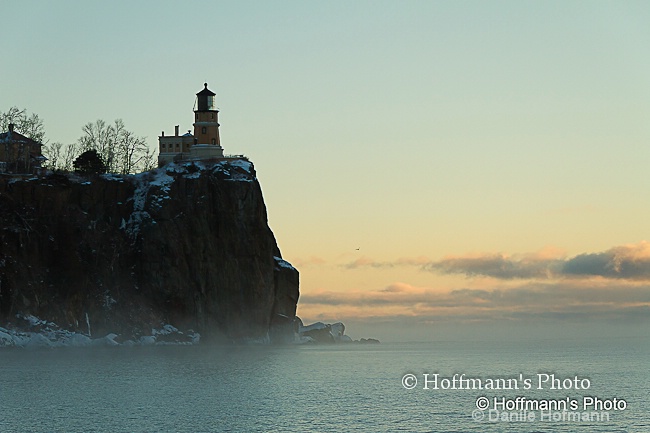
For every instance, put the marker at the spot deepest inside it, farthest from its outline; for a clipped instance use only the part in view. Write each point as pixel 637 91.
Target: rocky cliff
pixel 187 245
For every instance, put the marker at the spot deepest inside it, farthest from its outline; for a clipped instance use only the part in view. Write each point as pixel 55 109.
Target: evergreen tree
pixel 89 162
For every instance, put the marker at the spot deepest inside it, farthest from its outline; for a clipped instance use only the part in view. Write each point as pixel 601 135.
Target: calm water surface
pixel 344 388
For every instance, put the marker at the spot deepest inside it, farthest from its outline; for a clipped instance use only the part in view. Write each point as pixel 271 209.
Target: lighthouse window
pixel 214 141
pixel 203 130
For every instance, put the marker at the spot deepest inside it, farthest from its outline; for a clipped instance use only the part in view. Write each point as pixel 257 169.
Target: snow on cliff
pixel 157 183
pixel 40 333
pixel 187 244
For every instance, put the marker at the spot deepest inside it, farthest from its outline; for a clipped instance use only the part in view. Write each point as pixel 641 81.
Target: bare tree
pixel 54 154
pixel 100 137
pixel 68 155
pixel 30 126
pixel 130 151
pixel 121 150
pixel 149 160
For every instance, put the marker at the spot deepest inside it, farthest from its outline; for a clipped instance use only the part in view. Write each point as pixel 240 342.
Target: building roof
pixel 206 91
pixel 17 137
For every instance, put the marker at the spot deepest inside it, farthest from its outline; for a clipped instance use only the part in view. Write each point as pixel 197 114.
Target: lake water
pixel 342 388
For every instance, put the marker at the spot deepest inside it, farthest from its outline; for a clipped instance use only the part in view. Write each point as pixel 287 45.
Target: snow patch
pixel 194 175
pixel 283 263
pixel 165 330
pixel 240 170
pixel 112 176
pixel 320 332
pixel 161 179
pixel 312 327
pixel 143 183
pixel 47 334
pixel 148 340
pixel 243 164
pixel 108 300
pixel 108 340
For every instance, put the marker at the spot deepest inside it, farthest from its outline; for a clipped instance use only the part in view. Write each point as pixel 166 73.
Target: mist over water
pixel 306 388
pixel 498 331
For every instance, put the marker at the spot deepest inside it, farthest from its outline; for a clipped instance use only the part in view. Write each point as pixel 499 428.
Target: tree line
pixel 119 150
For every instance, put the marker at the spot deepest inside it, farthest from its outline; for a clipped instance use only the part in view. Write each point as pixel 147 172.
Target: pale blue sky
pixel 406 128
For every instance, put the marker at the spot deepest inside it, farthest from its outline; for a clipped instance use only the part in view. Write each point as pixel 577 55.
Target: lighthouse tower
pixel 206 127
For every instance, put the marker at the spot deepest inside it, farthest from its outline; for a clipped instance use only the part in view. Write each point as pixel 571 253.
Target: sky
pixel 432 168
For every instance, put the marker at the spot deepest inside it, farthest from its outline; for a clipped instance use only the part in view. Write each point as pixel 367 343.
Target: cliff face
pixel 186 245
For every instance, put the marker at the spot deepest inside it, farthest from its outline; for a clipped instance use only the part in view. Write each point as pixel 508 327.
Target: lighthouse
pixel 204 143
pixel 206 126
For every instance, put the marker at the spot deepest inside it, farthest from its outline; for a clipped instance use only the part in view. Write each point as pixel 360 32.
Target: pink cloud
pixel 630 261
pixel 568 298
